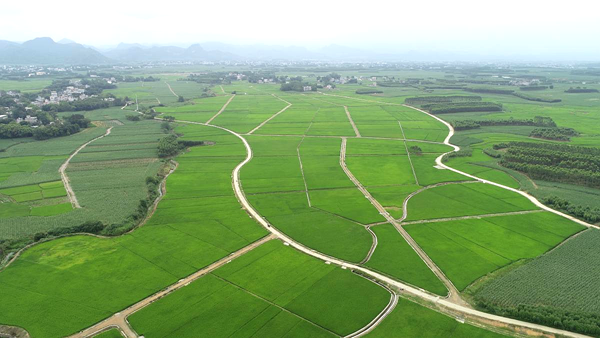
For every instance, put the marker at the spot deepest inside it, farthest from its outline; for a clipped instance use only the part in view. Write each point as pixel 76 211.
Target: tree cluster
pixel 586 323
pixel 556 134
pixel 538 121
pixel 459 107
pixel 556 163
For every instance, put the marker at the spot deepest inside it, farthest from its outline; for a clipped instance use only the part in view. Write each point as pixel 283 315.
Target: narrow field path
pixel 171 89
pixel 534 200
pixel 119 319
pixel 221 110
pixel 449 306
pixel 408 155
pixel 63 173
pixel 356 132
pixel 373 246
pixel 448 219
pixel 272 117
pixel 381 316
pixel 453 293
pixel 302 172
pixel 222 90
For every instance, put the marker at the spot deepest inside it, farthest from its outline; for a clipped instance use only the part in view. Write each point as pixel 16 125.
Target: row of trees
pixel 581 90
pixel 585 323
pixel 586 213
pixel 536 99
pixel 567 165
pixel 557 134
pixel 72 124
pixel 446 108
pixel 538 121
pixel 91 103
pixel 417 101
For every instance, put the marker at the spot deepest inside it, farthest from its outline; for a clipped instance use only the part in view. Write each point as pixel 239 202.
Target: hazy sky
pixel 508 26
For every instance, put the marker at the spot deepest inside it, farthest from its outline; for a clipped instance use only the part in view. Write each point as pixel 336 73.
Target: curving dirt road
pixel 63 168
pixel 534 200
pixel 445 305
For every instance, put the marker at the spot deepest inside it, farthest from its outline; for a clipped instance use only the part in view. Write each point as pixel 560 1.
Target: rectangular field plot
pixel 245 112
pixel 372 120
pixel 381 170
pixel 364 146
pixel 412 320
pixel 394 257
pixel 316 229
pixel 349 203
pixel 467 199
pixel 268 292
pixel 469 249
pixel 201 110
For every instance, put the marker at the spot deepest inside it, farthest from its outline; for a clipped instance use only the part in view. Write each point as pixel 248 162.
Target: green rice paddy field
pixel 295 180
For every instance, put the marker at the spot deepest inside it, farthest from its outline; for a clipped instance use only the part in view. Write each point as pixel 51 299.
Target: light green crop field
pixel 296 182
pixel 396 258
pixel 245 112
pixel 266 292
pixel 489 243
pixel 199 110
pixel 455 200
pixel 411 320
pixel 185 234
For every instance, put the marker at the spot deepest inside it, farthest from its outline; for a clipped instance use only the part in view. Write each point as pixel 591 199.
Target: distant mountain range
pixel 46 51
pixel 65 51
pixel 68 52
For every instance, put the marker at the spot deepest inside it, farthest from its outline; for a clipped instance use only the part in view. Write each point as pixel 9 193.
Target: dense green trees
pixel 368 91
pixel 581 90
pixel 459 107
pixel 15 130
pixel 538 121
pixel 567 320
pixel 168 146
pixel 557 134
pixel 417 101
pixel 585 213
pixel 556 163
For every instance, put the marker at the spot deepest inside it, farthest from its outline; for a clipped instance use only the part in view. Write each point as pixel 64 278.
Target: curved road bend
pixel 534 200
pixel 445 304
pixel 453 293
pixel 63 168
pixel 420 293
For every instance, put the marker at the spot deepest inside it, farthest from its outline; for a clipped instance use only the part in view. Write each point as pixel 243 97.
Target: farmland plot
pixel 268 291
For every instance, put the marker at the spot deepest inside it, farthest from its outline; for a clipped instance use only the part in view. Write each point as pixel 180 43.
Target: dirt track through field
pixel 272 117
pixel 450 305
pixel 171 89
pixel 448 219
pixel 119 319
pixel 356 132
pixel 408 155
pixel 453 293
pixel 221 110
pixel 63 173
